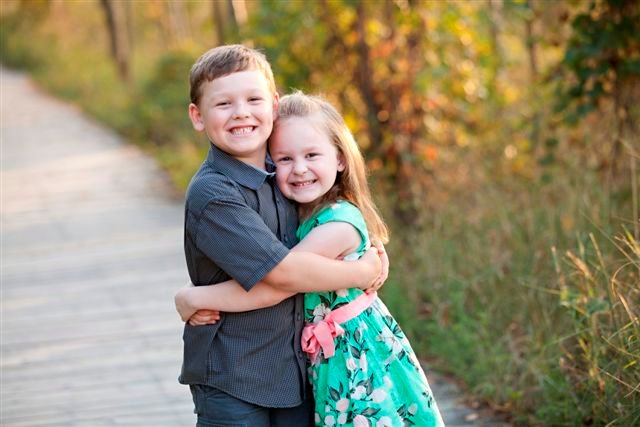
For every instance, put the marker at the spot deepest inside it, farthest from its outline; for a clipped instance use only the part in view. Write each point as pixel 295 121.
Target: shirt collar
pixel 240 172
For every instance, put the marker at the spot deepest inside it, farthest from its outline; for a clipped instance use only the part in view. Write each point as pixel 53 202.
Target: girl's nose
pixel 299 167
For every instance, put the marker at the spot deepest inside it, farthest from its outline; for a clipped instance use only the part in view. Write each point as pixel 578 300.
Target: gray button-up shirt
pixel 239 225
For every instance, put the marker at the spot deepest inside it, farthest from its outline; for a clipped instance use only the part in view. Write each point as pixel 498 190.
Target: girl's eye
pixel 312 155
pixel 283 159
pixel 222 103
pixel 255 99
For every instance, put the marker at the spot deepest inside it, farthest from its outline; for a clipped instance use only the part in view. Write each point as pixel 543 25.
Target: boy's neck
pixel 256 162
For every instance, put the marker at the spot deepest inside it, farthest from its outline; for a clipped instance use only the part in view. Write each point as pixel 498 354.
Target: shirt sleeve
pixel 235 237
pixel 342 211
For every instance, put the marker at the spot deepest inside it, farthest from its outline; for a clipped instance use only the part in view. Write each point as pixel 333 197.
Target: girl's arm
pixel 332 240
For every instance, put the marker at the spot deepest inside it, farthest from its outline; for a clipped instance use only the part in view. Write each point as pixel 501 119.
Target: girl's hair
pixel 351 184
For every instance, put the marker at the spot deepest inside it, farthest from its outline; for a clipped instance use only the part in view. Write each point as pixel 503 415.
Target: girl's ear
pixel 342 163
pixel 196 117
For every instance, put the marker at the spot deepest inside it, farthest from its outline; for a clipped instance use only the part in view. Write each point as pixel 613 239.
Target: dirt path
pixel 91 258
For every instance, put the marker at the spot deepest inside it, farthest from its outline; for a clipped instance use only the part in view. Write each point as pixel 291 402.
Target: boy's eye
pixel 283 159
pixel 255 99
pixel 222 103
pixel 312 155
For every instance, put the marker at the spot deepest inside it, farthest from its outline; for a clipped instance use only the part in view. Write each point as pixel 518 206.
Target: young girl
pixel 363 370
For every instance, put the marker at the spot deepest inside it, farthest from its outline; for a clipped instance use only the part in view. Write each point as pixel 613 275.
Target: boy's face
pixel 237 112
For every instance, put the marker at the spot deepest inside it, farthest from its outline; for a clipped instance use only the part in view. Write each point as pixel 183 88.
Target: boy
pixel 248 368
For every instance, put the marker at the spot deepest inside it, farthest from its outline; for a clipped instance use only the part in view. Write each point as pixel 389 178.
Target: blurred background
pixel 502 139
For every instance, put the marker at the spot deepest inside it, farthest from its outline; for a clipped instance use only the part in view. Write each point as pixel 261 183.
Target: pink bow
pixel 320 335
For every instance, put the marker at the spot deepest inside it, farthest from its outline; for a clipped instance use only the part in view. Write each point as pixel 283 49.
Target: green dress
pixel 374 378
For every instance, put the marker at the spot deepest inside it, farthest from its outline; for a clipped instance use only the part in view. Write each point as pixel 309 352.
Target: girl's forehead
pixel 299 134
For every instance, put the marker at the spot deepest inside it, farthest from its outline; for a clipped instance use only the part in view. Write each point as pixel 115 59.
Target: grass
pixel 530 297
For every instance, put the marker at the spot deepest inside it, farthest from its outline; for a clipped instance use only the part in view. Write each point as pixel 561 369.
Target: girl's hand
pixel 183 303
pixel 204 317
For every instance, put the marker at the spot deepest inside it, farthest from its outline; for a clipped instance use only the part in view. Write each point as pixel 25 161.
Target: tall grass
pixel 530 293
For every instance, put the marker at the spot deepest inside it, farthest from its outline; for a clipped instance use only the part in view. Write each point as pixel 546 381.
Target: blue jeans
pixel 216 408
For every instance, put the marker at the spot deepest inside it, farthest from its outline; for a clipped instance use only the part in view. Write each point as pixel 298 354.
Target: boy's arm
pixel 332 240
pixel 311 266
pixel 247 250
pixel 227 296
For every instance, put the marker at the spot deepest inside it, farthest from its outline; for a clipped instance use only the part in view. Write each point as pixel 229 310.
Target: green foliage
pixel 602 56
pixel 163 100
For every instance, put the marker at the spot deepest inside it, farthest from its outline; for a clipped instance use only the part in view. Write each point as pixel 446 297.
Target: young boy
pixel 248 368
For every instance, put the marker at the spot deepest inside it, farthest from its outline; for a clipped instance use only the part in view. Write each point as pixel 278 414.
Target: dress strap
pixel 320 335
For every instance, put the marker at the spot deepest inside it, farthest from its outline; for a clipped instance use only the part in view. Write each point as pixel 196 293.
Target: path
pixel 91 257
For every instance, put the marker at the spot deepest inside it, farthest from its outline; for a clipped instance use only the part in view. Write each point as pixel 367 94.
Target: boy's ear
pixel 196 117
pixel 276 102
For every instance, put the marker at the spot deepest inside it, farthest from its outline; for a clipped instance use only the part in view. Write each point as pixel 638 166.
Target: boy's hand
pixel 375 262
pixel 183 304
pixel 384 271
pixel 204 317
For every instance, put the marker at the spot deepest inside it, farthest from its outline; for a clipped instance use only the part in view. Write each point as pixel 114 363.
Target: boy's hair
pixel 351 184
pixel 224 60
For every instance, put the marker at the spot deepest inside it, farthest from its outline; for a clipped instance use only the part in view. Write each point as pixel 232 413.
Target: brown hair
pixel 351 184
pixel 224 60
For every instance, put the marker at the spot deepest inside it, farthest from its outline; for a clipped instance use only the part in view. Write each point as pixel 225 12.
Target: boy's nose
pixel 240 111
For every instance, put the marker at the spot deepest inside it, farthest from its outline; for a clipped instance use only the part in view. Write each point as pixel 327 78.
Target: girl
pixel 363 370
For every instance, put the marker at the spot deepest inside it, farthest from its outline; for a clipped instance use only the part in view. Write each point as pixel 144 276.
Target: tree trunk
pixel 533 73
pixel 363 80
pixel 118 37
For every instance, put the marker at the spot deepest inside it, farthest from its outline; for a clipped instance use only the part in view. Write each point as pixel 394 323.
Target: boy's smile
pixel 236 112
pixel 307 161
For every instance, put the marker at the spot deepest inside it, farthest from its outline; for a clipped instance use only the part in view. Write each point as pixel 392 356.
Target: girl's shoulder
pixel 338 211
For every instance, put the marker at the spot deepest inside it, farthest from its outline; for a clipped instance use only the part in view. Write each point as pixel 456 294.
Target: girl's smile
pixel 307 161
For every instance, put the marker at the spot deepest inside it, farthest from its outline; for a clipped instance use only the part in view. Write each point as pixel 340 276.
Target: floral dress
pixel 374 378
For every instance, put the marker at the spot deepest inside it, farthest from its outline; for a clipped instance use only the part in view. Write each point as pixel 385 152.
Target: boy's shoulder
pixel 208 185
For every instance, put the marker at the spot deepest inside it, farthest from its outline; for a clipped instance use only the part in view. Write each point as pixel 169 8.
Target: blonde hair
pixel 224 60
pixel 351 184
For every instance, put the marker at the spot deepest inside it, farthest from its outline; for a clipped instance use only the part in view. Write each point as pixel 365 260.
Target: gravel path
pixel 91 257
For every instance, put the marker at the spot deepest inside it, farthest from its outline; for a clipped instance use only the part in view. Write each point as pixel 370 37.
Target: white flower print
pixel 363 363
pixel 342 292
pixel 329 420
pixel 319 312
pixel 378 395
pixel 413 408
pixel 390 340
pixel 384 422
pixel 360 421
pixel 342 419
pixel 358 392
pixel 342 404
pixel 351 364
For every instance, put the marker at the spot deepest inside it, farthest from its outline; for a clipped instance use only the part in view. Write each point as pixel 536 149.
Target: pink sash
pixel 320 335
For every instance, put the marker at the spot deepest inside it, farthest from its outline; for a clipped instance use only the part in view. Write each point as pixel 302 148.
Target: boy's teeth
pixel 241 131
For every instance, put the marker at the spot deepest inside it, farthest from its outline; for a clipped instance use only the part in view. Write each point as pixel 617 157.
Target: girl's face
pixel 307 162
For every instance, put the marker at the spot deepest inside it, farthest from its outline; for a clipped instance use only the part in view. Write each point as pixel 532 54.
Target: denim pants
pixel 216 408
